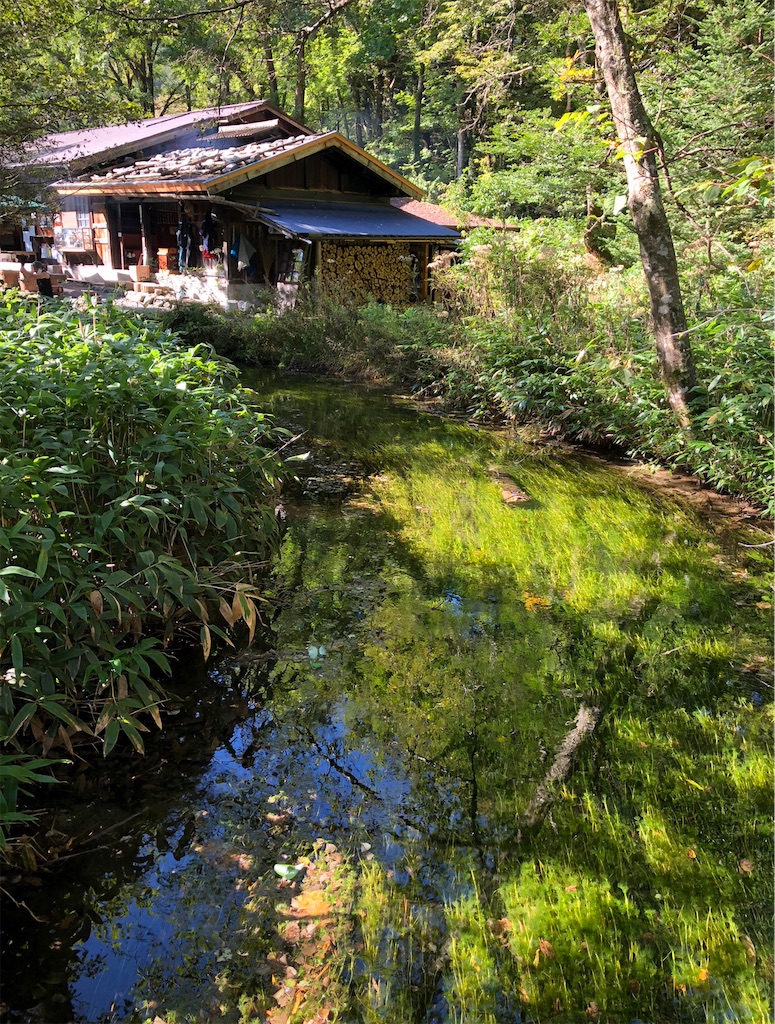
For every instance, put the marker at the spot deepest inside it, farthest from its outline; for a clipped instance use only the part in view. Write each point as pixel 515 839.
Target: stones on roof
pixel 200 163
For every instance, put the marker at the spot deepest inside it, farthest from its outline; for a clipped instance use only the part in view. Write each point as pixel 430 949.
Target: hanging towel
pixel 244 252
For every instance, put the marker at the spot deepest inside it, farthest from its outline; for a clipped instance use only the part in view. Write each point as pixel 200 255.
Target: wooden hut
pixel 240 198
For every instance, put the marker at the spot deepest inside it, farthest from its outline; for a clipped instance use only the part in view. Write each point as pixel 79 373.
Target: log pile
pixel 382 272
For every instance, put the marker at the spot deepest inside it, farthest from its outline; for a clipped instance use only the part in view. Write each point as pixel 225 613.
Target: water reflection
pixel 433 644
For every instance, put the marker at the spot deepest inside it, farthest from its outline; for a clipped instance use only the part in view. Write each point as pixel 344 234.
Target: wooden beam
pixel 162 189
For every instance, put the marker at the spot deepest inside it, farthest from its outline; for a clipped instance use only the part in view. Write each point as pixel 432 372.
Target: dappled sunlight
pixel 360 847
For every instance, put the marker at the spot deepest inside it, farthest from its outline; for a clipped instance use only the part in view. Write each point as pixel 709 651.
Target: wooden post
pixel 424 272
pixel 144 234
pixel 120 233
pixel 317 261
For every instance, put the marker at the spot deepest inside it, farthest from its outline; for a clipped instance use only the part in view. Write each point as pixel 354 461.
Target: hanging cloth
pixel 183 238
pixel 208 232
pixel 242 251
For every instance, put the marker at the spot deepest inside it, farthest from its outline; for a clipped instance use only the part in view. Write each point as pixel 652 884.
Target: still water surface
pixel 447 599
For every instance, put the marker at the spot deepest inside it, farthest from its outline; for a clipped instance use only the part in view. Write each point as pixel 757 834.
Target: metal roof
pixel 350 220
pixel 438 215
pixel 95 144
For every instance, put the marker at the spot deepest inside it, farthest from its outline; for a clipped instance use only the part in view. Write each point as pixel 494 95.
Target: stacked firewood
pixel 382 272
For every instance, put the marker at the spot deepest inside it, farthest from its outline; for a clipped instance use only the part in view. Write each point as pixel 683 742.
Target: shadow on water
pixel 329 827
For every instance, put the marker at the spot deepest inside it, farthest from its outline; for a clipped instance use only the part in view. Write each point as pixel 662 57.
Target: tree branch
pixel 538 808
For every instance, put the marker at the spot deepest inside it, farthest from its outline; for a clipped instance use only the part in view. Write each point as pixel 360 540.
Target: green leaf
pixel 42 565
pixel 131 731
pixel 17 654
pixel 288 871
pixel 22 718
pixel 112 731
pixel 19 570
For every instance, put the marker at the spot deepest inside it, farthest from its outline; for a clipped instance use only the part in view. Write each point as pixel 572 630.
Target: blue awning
pixel 350 220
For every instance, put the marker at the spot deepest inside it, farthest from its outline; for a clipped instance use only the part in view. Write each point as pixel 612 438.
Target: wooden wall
pixel 321 172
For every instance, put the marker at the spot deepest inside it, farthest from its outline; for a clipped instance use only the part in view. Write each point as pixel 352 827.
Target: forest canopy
pixel 467 94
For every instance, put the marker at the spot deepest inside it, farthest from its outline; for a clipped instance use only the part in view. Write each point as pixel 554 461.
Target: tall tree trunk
pixel 419 92
pixel 303 36
pixel 462 137
pixel 379 105
pixel 271 71
pixel 637 146
pixel 301 76
pixel 149 87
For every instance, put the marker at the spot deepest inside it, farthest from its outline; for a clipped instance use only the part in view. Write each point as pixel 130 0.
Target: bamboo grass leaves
pixel 138 488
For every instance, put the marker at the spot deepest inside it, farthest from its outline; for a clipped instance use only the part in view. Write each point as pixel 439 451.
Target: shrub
pixel 137 482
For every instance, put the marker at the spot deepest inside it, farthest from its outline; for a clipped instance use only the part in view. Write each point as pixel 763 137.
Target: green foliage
pixel 137 484
pixel 544 337
pixel 323 333
pixel 529 329
pixel 17 773
pixel 529 168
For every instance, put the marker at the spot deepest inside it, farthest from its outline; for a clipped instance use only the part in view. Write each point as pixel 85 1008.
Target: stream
pixel 328 829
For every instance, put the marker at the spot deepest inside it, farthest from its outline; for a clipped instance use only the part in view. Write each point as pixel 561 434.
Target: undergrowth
pixel 527 329
pixel 137 482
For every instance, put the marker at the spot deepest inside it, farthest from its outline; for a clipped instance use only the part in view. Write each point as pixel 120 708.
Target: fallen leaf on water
pixel 547 949
pixel 283 996
pixel 745 867
pixel 297 1002
pixel 702 974
pixel 750 949
pixel 292 932
pixel 571 888
pixel 500 928
pixel 312 903
pixel 593 1010
pixel 691 855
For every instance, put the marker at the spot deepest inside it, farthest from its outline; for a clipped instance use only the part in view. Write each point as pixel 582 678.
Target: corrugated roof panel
pixel 350 220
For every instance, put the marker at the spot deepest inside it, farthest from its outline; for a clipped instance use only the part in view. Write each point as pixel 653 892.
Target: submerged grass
pixel 651 893
pixel 434 642
pixel 648 894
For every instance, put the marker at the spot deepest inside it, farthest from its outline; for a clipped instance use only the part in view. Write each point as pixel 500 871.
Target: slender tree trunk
pixel 301 76
pixel 462 137
pixel 379 105
pixel 418 101
pixel 271 72
pixel 303 36
pixel 639 152
pixel 150 85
